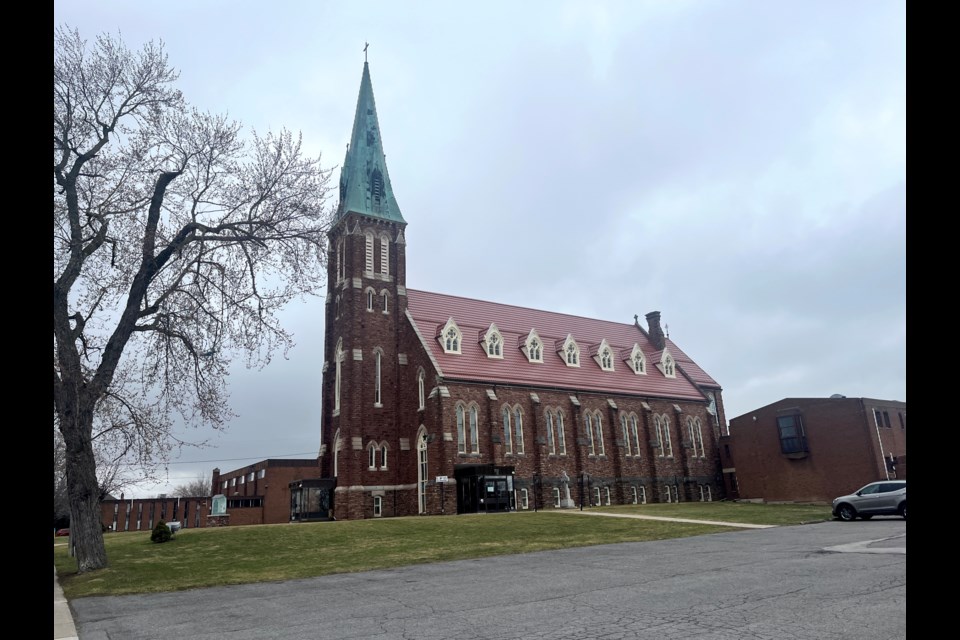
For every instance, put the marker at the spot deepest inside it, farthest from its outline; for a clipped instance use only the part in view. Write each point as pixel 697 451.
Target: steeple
pixel 364 181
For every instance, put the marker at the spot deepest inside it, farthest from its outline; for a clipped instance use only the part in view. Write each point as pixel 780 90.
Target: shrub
pixel 161 532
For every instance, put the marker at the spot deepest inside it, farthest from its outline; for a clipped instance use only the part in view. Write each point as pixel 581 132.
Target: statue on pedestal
pixel 565 501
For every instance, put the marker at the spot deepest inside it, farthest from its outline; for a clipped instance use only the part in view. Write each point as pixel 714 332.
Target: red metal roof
pixel 430 312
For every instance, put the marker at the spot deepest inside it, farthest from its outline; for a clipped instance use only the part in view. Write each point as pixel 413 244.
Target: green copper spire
pixel 364 181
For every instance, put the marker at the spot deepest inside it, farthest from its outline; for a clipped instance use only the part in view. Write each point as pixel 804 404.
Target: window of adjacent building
pixel 556 497
pixel 792 437
pixel 421 397
pixel 385 254
pixel 377 506
pixel 250 476
pixel 643 494
pixel 233 482
pixel 523 499
pixel 262 473
pixel 706 495
pixel 903 420
pixel 596 496
pixel 606 496
pixel 633 493
pixel 242 479
pixel 368 264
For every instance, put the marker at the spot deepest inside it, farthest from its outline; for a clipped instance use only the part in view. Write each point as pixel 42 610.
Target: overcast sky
pixel 737 165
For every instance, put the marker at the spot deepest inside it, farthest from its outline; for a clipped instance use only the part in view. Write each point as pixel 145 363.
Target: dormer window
pixel 451 337
pixel 604 356
pixel 570 352
pixel 637 361
pixel 667 365
pixel 532 347
pixel 493 342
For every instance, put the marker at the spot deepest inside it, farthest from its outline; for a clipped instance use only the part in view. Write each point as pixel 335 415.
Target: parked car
pixel 884 498
pixel 63 532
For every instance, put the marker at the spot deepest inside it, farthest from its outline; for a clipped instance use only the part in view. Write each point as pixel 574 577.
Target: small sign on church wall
pixel 442 479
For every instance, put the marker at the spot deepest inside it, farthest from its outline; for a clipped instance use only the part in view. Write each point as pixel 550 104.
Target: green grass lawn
pixel 238 555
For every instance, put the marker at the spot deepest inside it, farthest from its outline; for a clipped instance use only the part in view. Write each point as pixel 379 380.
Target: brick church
pixel 437 404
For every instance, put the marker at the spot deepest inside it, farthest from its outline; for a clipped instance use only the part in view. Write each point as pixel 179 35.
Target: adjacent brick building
pixel 814 449
pixel 435 403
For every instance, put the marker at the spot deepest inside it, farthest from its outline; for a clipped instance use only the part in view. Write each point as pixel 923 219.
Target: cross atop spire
pixel 365 46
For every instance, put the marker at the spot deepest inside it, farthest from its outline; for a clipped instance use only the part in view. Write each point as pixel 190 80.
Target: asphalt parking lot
pixel 818 581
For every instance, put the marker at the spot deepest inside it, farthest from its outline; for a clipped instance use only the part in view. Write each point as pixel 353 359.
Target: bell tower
pixel 366 301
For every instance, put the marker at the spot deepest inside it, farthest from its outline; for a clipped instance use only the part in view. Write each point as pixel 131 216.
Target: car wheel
pixel 847 513
pixel 903 511
pixel 866 517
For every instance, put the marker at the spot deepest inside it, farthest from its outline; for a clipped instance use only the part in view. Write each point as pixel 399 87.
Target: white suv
pixel 885 498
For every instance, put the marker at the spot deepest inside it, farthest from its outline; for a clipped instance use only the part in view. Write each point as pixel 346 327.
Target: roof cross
pixel 365 45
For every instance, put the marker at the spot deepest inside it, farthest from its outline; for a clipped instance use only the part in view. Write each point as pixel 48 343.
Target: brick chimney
pixel 656 333
pixel 215 483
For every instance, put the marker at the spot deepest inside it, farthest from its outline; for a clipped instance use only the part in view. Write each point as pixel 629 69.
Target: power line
pixel 281 455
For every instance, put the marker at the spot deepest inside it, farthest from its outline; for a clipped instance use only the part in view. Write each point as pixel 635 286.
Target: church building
pixel 438 404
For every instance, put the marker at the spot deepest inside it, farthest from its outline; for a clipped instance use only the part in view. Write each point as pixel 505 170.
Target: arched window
pixel 384 254
pixel 474 435
pixel 461 430
pixel 337 444
pixel 551 434
pixel 422 471
pixel 598 426
pixel 372 456
pixel 338 359
pixel 606 360
pixel 385 301
pixel 635 432
pixel 561 436
pixel 533 347
pixel 696 436
pixel 339 259
pixel 368 263
pixel 421 397
pixel 507 432
pixel 626 436
pixel 370 296
pixel 450 337
pixel 573 354
pixel 667 441
pixel 494 346
pixel 383 455
pixel 518 428
pixel 377 356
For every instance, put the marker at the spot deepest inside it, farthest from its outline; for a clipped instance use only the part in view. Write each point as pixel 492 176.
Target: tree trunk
pixel 86 532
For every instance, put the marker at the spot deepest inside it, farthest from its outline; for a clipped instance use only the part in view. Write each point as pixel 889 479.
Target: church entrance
pixel 312 499
pixel 484 488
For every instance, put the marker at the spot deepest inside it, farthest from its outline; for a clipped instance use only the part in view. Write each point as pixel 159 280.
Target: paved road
pixel 831 580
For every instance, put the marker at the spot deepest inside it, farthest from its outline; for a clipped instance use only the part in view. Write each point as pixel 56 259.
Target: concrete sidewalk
pixel 63 626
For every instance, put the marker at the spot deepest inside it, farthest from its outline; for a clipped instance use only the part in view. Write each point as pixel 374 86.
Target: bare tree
pixel 198 487
pixel 176 240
